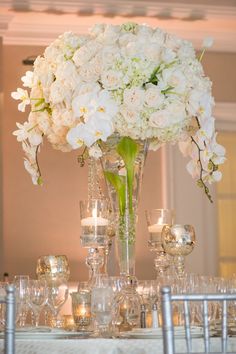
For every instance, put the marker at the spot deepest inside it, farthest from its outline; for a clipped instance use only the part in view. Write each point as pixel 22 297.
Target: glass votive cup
pixel 81 310
pixel 156 220
pixel 94 218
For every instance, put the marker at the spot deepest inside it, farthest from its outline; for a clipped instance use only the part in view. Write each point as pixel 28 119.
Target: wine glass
pixel 21 283
pixel 58 292
pixel 37 297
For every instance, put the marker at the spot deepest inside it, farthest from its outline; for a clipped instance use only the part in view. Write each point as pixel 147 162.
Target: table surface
pixel 108 346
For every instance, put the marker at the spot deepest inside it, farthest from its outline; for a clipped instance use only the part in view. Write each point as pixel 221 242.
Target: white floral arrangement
pixel 131 80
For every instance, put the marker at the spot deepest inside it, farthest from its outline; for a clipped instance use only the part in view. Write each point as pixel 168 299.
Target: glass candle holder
pixel 156 220
pixel 178 242
pixel 81 308
pixel 94 223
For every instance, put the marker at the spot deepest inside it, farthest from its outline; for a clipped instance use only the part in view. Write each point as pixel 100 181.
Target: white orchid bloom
pixel 193 168
pixel 99 129
pixel 186 147
pixel 82 106
pixel 104 107
pixel 22 95
pixel 75 136
pixel 29 79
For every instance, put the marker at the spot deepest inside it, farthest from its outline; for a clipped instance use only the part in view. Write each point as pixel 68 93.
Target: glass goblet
pixel 178 241
pixel 52 268
pixel 156 220
pixel 37 295
pixel 21 283
pixel 58 292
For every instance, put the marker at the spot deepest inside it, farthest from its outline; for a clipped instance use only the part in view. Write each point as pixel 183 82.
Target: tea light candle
pixel 157 228
pixel 68 321
pixel 83 311
pixel 94 221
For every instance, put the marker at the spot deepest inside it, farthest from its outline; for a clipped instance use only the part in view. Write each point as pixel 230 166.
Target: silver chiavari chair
pixel 167 300
pixel 9 329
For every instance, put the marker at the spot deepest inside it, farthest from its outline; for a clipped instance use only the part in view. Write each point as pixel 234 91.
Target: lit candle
pixel 94 220
pixel 157 228
pixel 68 321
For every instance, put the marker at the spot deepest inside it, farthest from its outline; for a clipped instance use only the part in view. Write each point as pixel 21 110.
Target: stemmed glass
pixel 95 233
pixel 178 241
pixel 37 297
pixel 58 292
pixel 156 220
pixel 21 283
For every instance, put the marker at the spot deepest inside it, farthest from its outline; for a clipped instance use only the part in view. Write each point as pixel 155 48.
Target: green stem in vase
pixel 128 149
pixel 118 183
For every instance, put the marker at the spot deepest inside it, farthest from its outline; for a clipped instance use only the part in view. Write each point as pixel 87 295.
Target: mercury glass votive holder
pixel 81 309
pixel 53 268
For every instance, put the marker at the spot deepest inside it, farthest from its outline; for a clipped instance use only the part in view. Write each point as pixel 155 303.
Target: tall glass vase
pixel 113 163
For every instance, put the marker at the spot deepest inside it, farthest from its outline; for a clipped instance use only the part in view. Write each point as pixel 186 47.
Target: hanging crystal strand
pixel 94 179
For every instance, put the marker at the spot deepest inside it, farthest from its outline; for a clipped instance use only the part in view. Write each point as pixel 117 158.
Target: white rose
pixel 125 38
pixel 110 54
pixel 133 97
pixel 167 55
pixel 67 73
pixel 71 39
pixel 84 54
pixel 111 79
pixel 153 96
pixel 87 73
pixel 130 115
pixel 144 31
pixel 111 34
pixel 158 36
pixel 44 72
pixel 97 29
pixel 152 52
pixel 87 88
pixel 58 92
pixel 172 42
pixel 186 50
pixel 160 119
pixel 174 78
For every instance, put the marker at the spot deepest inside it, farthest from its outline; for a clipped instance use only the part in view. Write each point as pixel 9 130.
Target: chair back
pixel 167 299
pixel 9 330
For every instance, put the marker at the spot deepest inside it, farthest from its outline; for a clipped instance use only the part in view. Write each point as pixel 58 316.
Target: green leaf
pixel 118 183
pixel 128 149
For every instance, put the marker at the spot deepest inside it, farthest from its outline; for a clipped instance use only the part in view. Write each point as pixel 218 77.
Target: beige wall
pixel 43 220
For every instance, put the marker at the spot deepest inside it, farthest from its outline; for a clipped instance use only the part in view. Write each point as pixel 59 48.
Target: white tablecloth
pixel 108 346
